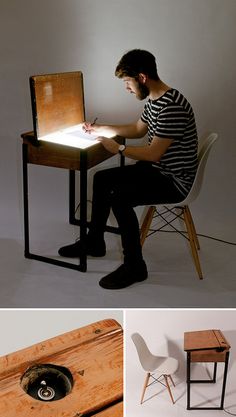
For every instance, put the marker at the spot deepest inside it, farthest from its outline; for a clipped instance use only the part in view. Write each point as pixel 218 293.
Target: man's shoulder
pixel 171 96
pixel 178 100
pixel 171 100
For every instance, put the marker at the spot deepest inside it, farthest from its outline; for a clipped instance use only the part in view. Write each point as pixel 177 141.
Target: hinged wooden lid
pixel 205 339
pixel 57 101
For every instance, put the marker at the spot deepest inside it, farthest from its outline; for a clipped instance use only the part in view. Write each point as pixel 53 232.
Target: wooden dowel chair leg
pixel 193 228
pixel 145 386
pixel 168 387
pixel 192 244
pixel 146 224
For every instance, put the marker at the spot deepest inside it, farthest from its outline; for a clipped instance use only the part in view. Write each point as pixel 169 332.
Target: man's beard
pixel 143 91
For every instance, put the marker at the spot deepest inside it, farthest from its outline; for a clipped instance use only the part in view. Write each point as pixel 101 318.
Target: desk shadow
pixel 176 352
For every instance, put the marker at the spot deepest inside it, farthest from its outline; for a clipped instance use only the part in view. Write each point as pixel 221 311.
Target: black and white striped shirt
pixel 171 116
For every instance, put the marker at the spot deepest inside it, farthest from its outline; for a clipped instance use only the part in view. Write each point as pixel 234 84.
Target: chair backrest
pixel 144 354
pixel 204 150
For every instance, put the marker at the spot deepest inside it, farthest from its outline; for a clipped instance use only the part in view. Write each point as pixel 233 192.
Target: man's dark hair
pixel 135 62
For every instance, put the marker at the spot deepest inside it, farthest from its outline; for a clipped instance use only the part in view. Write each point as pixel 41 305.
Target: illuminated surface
pixel 73 136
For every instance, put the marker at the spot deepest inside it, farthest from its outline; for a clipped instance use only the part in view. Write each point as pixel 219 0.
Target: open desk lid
pixel 58 108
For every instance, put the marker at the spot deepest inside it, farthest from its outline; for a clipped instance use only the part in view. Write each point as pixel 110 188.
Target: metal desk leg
pixel 25 199
pixel 82 266
pixel 214 372
pixel 83 206
pixel 188 379
pixel 224 380
pixel 71 197
pixel 83 209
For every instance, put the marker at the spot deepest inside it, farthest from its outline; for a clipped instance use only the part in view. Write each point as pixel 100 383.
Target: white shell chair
pixel 169 212
pixel 161 365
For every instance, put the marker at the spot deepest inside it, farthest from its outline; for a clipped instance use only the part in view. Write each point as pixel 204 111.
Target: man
pixel 164 171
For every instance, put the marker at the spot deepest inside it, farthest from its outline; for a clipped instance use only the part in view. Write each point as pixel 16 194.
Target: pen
pixel 86 129
pixel 94 121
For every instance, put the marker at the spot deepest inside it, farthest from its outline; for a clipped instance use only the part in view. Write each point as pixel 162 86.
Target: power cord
pixel 219 240
pixel 78 206
pixel 199 234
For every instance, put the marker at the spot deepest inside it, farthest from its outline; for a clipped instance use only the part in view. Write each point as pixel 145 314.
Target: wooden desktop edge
pixel 64 156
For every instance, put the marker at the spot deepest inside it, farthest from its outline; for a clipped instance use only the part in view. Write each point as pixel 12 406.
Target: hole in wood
pixel 47 382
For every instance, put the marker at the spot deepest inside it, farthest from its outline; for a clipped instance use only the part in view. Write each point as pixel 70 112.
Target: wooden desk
pixel 74 159
pixel 93 355
pixel 206 346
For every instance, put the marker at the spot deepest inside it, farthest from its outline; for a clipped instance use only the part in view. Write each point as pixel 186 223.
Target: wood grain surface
pixel 206 345
pixel 94 356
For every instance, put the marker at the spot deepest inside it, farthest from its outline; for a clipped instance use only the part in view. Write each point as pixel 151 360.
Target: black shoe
pixel 124 276
pixel 74 250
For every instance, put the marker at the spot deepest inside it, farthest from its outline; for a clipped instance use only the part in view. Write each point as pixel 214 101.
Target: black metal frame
pixel 82 222
pixel 213 380
pixel 82 266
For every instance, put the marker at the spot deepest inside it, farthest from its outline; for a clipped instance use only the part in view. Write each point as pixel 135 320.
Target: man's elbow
pixel 154 158
pixel 150 158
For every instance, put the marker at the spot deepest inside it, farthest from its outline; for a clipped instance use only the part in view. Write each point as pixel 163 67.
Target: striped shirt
pixel 171 116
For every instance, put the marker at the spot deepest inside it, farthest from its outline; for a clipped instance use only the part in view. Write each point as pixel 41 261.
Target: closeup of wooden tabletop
pixel 94 356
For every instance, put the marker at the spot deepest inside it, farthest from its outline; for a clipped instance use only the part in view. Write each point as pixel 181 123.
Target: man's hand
pixel 99 130
pixel 109 144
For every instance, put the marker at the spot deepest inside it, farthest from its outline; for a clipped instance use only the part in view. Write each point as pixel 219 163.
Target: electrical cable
pixel 202 235
pixel 219 240
pixel 78 206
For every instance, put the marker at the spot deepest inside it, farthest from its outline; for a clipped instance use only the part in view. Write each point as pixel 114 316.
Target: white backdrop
pixel 22 328
pixel 160 326
pixel 194 42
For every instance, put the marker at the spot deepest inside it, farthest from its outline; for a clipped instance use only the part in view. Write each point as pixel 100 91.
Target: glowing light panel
pixel 73 136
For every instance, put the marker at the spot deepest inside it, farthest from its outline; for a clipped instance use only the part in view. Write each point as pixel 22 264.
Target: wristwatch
pixel 121 149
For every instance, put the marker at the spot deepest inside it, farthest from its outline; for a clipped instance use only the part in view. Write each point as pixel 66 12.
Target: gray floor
pixel 172 281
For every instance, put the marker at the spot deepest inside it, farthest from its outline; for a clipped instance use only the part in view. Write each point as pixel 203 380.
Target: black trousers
pixel 121 189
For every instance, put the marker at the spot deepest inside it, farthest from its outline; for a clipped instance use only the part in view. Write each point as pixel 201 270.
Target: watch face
pixel 121 148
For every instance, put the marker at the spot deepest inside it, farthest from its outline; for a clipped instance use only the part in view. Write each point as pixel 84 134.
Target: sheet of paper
pixel 73 136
